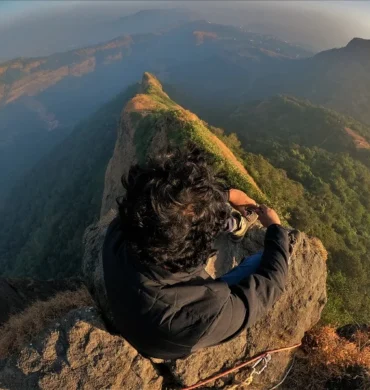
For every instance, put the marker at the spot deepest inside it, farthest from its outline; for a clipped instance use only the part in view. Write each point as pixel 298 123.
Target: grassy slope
pixel 154 109
pixel 311 144
pixel 299 121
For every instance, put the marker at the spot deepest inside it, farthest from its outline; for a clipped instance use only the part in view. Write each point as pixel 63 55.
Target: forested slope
pixel 336 78
pixel 330 197
pixel 48 211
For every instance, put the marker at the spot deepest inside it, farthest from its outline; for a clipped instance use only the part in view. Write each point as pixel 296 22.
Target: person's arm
pixel 254 296
pixel 261 290
pixel 239 200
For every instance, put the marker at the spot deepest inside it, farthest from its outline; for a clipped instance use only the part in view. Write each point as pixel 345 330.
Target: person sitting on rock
pixel 161 299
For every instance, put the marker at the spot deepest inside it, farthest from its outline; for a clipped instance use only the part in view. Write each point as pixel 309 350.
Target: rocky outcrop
pixel 136 140
pixel 77 352
pixel 297 311
pixel 124 154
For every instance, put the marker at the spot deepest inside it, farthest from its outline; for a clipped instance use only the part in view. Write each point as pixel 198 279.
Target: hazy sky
pixel 33 28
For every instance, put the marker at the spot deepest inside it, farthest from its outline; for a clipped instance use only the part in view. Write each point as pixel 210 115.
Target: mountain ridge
pixel 34 68
pixel 337 79
pixel 181 126
pixel 59 90
pixel 79 61
pixel 359 43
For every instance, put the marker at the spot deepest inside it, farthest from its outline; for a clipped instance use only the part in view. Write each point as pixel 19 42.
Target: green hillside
pixel 48 211
pixel 312 146
pixel 336 78
pixel 153 110
pixel 296 121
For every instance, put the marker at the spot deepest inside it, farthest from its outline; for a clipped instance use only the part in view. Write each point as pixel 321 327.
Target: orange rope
pixel 238 367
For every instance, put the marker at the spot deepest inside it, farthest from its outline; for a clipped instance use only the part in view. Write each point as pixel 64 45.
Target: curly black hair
pixel 173 209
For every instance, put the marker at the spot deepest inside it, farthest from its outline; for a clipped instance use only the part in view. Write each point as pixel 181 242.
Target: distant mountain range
pixel 152 20
pixel 213 66
pixel 30 77
pixel 80 29
pixel 337 78
pixel 42 98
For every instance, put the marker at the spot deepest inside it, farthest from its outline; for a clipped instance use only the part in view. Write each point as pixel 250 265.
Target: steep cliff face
pixel 76 352
pixel 74 349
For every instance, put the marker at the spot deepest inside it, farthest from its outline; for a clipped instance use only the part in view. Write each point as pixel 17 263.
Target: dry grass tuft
pixel 328 349
pixel 22 327
pixel 327 357
pixel 141 103
pixel 319 246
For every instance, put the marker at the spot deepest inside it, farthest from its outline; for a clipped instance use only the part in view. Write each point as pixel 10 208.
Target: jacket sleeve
pixel 253 296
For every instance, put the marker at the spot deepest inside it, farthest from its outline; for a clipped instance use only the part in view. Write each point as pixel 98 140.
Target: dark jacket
pixel 169 316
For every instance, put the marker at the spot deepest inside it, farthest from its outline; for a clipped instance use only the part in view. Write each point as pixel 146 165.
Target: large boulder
pixel 297 311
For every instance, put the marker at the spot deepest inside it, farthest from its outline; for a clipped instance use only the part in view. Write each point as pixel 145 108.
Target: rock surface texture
pixel 78 353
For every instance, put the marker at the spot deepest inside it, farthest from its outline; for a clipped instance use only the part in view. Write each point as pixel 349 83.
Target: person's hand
pixel 267 216
pixel 240 201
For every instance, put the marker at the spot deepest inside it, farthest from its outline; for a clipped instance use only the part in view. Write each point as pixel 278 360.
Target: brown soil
pixel 328 358
pixel 201 35
pixel 360 142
